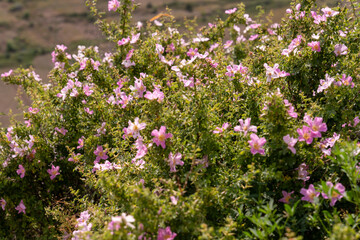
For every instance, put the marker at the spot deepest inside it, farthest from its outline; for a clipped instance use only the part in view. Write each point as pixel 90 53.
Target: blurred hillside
pixel 29 29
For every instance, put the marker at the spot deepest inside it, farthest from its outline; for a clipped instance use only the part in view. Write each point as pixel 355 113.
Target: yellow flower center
pixel 161 137
pixel 306 136
pixel 334 194
pixel 256 146
pixel 315 128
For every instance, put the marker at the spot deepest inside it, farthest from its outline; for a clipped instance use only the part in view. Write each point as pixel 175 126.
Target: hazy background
pixel 29 29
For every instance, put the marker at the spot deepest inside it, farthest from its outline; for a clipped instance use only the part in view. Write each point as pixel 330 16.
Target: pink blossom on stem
pixel 113 5
pixel 305 134
pixel 141 149
pixel 33 110
pixel 100 154
pixel 324 84
pixel 356 121
pixel 222 129
pixel 7 74
pixel 328 12
pixel 336 193
pixel 21 207
pixel 125 100
pixel 174 160
pixel 290 141
pixel 253 37
pixel 2 203
pixel 302 172
pixel 135 128
pixel 230 11
pixel 21 171
pixel 245 126
pixel 347 81
pixel 160 136
pixel 63 131
pixel 121 221
pixel 53 171
pixel 165 234
pixel 315 46
pixel 286 197
pixel 340 49
pixel 139 88
pixel 318 18
pixel 81 142
pixel 309 194
pixel 123 41
pixel 174 200
pixel 316 126
pixel 156 94
pixel 256 144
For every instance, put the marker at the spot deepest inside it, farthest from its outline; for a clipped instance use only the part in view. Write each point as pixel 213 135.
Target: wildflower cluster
pixel 187 134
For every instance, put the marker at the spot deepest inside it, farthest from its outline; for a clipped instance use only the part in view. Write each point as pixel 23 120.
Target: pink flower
pixel 121 221
pixel 156 94
pixel 3 203
pixel 336 193
pixel 63 131
pixel 286 197
pixel 113 5
pixel 347 81
pixel 165 234
pixel 309 194
pixel 256 144
pixel 302 172
pixel 7 74
pixel 253 37
pixel 33 110
pixel 160 136
pixel 316 126
pixel 21 207
pixel 290 141
pixel 81 142
pixel 100 154
pixel 340 49
pixel 141 149
pixel 228 44
pixel 245 127
pixel 356 121
pixel 315 46
pixel 328 12
pixel 134 38
pixel 135 128
pixel 87 90
pixel 324 84
pixel 125 100
pixel 174 160
pixel 230 11
pixel 305 134
pixel 74 157
pixel 139 88
pixel 291 112
pixel 54 171
pixel 123 41
pixel 192 52
pixel 21 171
pixel 174 200
pixel 318 18
pixel 223 128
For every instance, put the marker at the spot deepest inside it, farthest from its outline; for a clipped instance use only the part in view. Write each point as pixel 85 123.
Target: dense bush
pixel 239 130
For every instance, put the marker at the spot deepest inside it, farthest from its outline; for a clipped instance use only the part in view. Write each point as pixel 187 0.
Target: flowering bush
pixel 144 142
